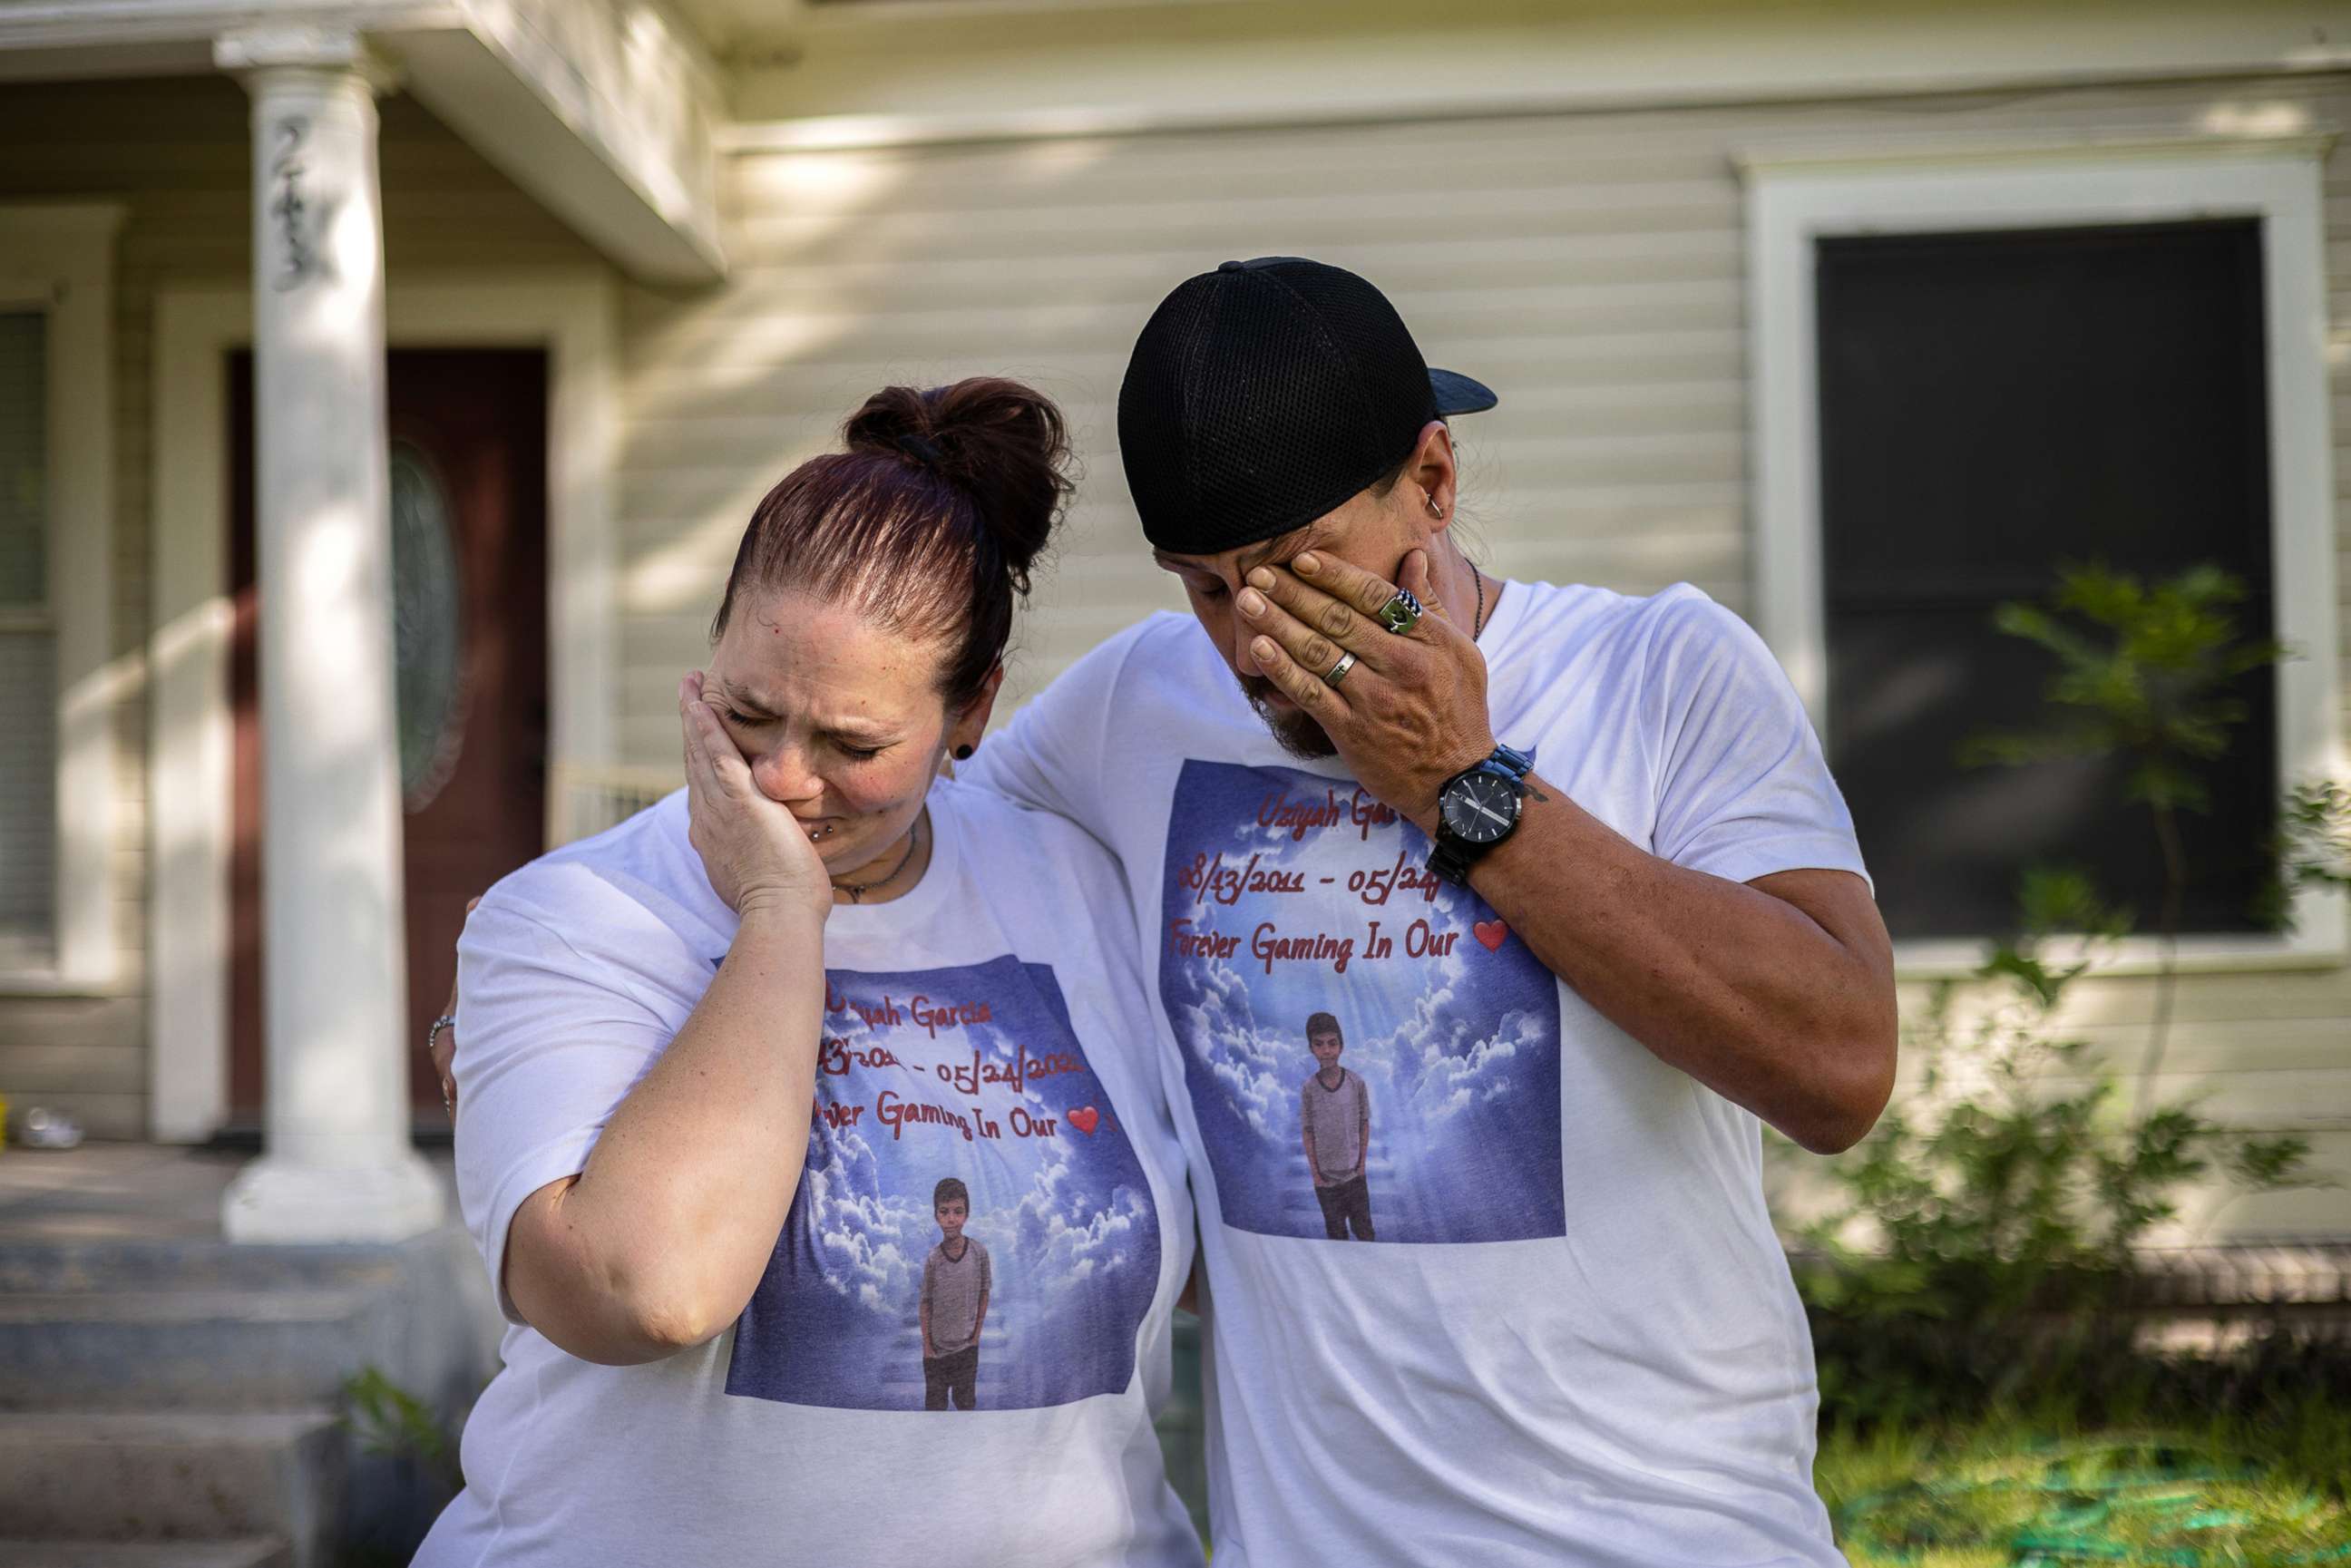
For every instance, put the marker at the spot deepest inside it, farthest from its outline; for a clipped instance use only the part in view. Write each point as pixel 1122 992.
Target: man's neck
pixel 1331 1075
pixel 953 1246
pixel 1455 582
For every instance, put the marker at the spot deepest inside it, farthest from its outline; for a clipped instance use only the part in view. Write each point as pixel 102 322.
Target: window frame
pixel 60 258
pixel 1798 196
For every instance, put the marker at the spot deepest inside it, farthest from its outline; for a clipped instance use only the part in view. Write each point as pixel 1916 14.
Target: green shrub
pixel 1979 1242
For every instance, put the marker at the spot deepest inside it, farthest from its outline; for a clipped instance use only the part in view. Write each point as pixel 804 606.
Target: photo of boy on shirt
pixel 956 1284
pixel 1334 1112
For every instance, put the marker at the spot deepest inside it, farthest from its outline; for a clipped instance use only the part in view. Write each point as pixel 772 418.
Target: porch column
pixel 336 1164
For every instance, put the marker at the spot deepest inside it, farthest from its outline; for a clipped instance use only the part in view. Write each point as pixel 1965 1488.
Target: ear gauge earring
pixel 963 753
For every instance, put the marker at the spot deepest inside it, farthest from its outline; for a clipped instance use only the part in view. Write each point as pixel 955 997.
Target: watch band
pixel 1446 859
pixel 1451 856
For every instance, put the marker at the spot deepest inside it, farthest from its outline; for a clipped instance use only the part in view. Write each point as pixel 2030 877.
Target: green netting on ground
pixel 2143 1502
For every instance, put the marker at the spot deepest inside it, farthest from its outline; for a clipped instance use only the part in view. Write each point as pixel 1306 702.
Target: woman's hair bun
pixel 1003 445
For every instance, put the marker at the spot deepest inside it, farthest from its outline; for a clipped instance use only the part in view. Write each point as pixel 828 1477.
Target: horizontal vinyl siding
pixel 176 155
pixel 1588 267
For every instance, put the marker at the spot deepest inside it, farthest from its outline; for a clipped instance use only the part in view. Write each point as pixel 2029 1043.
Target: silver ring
pixel 1339 670
pixel 1400 614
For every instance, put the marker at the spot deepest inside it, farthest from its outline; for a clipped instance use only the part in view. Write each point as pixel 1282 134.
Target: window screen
pixel 28 702
pixel 1992 405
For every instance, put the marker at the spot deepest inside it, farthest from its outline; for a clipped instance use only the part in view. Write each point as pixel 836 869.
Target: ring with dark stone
pixel 1400 614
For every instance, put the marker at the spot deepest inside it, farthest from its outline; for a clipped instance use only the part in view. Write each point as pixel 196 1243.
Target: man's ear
pixel 968 725
pixel 1432 475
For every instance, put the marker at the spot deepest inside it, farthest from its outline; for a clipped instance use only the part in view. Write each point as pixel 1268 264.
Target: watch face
pixel 1480 806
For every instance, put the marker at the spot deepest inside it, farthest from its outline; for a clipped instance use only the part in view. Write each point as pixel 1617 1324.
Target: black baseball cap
pixel 1263 394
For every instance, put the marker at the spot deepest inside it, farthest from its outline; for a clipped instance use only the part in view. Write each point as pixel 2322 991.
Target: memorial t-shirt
pixel 1575 1339
pixel 989 1026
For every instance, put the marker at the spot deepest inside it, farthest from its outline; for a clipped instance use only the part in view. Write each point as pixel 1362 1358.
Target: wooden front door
pixel 469 527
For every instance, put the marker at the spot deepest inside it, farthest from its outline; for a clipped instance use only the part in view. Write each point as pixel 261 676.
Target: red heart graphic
pixel 1493 933
pixel 1085 1120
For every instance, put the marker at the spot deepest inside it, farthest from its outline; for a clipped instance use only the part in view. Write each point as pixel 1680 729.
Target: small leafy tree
pixel 2149 682
pixel 2312 848
pixel 1978 1241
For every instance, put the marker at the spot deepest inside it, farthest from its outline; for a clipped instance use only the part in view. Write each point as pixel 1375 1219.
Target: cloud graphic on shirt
pixel 1449 1083
pixel 1066 1234
pixel 868 1244
pixel 1243 1059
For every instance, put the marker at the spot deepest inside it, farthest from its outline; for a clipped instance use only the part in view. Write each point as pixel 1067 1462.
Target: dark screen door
pixel 469 528
pixel 1992 405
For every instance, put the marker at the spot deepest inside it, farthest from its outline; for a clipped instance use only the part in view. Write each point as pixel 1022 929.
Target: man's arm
pixel 1364 1126
pixel 1776 993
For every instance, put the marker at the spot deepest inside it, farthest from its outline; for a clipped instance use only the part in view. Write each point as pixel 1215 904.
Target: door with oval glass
pixel 468 452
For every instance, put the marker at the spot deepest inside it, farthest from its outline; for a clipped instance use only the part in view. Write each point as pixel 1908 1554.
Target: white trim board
pixel 62 255
pixel 910 73
pixel 1796 201
pixel 571 314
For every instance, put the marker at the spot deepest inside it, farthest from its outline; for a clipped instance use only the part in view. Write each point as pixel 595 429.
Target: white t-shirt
pixel 1575 1339
pixel 987 1025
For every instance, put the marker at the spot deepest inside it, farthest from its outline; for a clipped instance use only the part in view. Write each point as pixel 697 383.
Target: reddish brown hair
pixel 928 524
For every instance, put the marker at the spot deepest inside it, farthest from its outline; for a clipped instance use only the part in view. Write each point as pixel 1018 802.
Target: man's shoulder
pixel 1160 670
pixel 1548 611
pixel 1135 652
pixel 1623 644
pixel 1033 858
pixel 1025 837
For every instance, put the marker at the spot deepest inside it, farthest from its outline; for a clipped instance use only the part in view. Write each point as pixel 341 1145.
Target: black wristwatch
pixel 1477 808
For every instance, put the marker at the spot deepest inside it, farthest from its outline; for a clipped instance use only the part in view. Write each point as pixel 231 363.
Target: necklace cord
pixel 857 890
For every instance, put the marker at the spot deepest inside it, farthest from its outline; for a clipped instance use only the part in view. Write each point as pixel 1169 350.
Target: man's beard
pixel 1296 730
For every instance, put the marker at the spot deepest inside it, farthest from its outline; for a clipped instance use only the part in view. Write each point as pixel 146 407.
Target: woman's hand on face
pixel 755 852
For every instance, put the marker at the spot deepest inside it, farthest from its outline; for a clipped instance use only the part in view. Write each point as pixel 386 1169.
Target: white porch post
pixel 336 1162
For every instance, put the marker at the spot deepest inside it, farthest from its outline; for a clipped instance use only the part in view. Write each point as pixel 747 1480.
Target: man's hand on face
pixel 1411 712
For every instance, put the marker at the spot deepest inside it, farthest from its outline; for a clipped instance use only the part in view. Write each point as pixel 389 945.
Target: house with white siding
pixel 384 385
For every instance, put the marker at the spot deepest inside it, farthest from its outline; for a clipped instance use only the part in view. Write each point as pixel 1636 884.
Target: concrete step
pixel 174 1477
pixel 261 1553
pixel 204 1350
pixel 50 1264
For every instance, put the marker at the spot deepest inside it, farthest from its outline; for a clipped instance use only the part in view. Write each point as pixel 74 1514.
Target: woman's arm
pixel 657 1244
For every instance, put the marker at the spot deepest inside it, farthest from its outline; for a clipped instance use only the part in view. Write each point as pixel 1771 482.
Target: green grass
pixel 2244 1493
